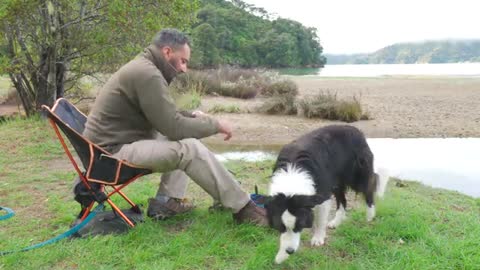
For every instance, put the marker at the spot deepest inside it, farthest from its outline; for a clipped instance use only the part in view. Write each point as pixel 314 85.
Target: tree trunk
pixel 61 77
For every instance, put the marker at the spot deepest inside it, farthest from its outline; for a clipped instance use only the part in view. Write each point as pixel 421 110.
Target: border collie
pixel 307 172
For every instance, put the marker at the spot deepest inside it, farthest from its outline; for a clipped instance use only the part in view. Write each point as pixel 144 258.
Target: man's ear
pixel 308 201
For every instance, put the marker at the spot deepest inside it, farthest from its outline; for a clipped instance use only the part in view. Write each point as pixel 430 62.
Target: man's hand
pixel 224 127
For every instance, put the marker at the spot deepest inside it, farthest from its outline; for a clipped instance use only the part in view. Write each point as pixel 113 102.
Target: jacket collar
pixel 153 54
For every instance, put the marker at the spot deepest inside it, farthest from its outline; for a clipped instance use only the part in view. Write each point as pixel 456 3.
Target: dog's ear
pixel 267 199
pixel 304 218
pixel 308 201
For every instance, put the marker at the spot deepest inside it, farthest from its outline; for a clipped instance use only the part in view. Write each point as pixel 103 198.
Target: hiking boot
pixel 160 211
pixel 251 213
pixel 217 206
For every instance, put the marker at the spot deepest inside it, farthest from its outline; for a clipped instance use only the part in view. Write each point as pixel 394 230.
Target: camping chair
pixel 100 168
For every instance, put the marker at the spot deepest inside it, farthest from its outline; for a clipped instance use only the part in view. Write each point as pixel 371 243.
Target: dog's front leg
pixel 320 223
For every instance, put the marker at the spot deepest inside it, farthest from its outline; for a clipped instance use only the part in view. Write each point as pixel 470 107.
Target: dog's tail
pixel 382 181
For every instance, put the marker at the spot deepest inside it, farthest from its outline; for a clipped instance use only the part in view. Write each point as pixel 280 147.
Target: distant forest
pixel 240 34
pixel 448 51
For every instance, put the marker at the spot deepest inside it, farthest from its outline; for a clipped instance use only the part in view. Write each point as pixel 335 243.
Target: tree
pixel 47 45
pixel 204 46
pixel 279 50
pixel 242 32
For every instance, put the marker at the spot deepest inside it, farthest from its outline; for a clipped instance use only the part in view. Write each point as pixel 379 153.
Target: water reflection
pixel 450 163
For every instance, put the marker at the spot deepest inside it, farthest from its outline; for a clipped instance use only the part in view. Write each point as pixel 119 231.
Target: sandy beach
pixel 400 107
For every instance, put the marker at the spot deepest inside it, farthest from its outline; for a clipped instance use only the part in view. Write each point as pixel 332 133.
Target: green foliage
pixel 205 51
pixel 236 33
pixel 421 52
pixel 43 41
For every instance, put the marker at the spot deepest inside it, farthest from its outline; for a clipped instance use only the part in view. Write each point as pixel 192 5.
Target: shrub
pixel 327 106
pixel 227 81
pixel 224 109
pixel 279 105
pixel 189 101
pixel 284 87
pixel 241 89
pixel 190 81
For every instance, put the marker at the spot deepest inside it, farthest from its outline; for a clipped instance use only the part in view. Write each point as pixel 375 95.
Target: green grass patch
pixel 417 227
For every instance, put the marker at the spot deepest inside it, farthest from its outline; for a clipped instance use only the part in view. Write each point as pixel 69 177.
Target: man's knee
pixel 194 147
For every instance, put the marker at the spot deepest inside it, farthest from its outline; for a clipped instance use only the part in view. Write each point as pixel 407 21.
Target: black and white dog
pixel 307 172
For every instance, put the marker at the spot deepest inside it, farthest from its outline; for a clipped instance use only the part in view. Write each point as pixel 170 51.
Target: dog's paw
pixel 281 257
pixel 370 213
pixel 332 224
pixel 317 241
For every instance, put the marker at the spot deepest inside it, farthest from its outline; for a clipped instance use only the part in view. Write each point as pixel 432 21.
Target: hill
pixel 446 51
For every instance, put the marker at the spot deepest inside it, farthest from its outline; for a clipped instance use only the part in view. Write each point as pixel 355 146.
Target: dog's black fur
pixel 337 157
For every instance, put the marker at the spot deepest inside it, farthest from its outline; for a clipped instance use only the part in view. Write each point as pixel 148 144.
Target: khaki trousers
pixel 179 159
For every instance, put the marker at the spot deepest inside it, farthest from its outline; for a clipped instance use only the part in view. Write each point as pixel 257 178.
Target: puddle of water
pixel 450 163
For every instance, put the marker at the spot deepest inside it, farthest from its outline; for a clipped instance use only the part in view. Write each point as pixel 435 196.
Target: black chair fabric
pixel 100 166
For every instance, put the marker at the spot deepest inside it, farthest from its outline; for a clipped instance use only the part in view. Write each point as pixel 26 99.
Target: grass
pixel 219 108
pixel 280 88
pixel 327 105
pixel 280 104
pixel 438 229
pixel 5 87
pixel 231 82
pixel 189 101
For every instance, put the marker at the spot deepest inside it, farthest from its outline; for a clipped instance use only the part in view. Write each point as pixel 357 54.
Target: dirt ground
pixel 400 107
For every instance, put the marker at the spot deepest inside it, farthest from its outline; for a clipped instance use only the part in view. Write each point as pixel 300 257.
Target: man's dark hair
pixel 170 37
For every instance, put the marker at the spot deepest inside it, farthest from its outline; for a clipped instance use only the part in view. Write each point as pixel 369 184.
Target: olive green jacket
pixel 135 104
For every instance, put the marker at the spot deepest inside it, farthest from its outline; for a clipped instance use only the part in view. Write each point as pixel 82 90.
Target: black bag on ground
pixel 108 222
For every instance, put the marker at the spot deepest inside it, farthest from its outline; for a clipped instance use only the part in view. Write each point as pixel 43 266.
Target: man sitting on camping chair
pixel 135 118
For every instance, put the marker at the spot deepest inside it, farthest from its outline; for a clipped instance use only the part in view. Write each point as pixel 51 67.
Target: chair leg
pixel 129 222
pixel 87 211
pixel 126 198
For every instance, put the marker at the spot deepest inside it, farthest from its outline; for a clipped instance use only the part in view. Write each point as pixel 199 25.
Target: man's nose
pixel 290 251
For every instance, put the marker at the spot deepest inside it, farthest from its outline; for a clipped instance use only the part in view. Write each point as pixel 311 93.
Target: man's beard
pixel 173 63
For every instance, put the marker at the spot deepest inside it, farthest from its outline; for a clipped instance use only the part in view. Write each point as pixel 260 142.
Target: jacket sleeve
pixel 160 110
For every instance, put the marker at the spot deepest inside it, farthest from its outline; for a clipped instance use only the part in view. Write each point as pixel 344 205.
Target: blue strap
pixel 66 234
pixel 9 213
pixel 257 198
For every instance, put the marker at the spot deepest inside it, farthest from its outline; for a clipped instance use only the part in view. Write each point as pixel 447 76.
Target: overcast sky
pixel 356 26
